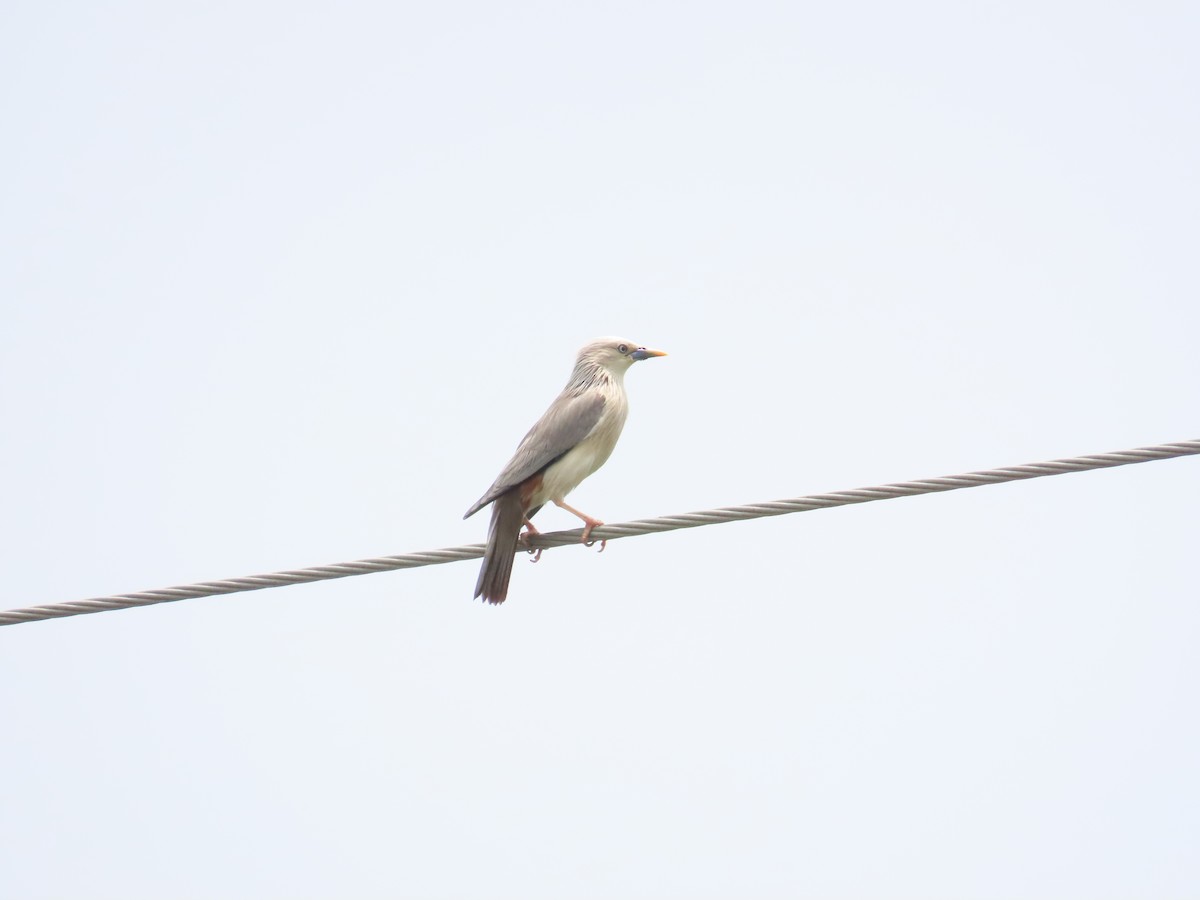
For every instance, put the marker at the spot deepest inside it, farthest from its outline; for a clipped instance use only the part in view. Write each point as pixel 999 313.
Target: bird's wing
pixel 568 421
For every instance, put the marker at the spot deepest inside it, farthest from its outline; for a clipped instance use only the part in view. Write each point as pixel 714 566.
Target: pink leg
pixel 588 523
pixel 530 531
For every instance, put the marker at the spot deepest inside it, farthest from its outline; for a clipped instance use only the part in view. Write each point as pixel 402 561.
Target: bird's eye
pixel 623 348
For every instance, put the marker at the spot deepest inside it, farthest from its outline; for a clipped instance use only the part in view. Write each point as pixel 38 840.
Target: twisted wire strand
pixel 608 532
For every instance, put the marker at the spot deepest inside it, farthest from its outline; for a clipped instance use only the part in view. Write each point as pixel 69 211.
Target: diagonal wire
pixel 608 532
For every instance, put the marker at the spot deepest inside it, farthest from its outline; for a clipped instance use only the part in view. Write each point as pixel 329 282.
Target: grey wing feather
pixel 570 419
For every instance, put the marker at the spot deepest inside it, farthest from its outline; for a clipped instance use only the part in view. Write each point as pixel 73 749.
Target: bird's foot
pixel 588 524
pixel 587 532
pixel 523 540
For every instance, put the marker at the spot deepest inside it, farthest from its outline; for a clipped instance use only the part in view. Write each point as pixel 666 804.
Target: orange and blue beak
pixel 643 353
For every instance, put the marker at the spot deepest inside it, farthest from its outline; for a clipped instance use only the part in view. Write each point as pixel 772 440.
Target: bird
pixel 572 439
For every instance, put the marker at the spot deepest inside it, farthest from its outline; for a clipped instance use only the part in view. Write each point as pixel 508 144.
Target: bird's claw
pixel 523 541
pixel 603 544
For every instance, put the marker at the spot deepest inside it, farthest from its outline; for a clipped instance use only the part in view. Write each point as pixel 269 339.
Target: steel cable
pixel 607 532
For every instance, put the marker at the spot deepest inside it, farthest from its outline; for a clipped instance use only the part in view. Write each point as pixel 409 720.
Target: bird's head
pixel 615 354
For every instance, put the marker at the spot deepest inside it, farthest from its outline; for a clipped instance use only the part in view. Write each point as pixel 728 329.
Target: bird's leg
pixel 588 523
pixel 529 532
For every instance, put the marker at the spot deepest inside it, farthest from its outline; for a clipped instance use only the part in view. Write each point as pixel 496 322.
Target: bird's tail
pixel 507 516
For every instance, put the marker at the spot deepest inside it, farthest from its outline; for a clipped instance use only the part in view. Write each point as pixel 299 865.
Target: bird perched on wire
pixel 571 440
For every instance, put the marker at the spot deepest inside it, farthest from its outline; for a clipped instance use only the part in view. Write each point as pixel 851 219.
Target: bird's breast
pixel 565 474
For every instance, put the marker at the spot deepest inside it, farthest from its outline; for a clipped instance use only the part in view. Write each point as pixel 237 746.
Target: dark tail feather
pixel 507 518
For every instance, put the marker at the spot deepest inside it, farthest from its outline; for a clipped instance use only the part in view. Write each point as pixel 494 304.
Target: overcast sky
pixel 284 284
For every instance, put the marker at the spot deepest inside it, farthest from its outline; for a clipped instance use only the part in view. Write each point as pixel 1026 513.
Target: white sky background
pixel 284 284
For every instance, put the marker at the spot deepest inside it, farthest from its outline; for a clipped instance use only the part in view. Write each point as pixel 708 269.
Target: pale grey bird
pixel 569 442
